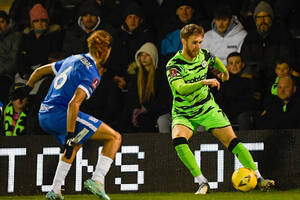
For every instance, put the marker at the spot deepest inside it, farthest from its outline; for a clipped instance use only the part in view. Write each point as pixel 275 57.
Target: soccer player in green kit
pixel 194 105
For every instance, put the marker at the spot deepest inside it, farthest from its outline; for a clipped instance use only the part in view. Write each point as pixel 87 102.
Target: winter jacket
pixel 222 46
pixel 9 45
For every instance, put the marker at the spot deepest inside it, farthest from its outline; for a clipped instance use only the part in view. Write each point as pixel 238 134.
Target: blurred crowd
pixel 258 41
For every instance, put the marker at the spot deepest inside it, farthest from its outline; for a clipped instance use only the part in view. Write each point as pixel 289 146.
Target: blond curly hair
pixel 99 43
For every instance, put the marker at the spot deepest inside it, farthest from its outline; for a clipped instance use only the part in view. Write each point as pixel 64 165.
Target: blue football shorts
pixel 54 122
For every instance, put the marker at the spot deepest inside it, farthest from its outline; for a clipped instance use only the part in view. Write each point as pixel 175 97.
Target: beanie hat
pixel 4 16
pixel 38 12
pixel 133 8
pixel 263 7
pixel 179 3
pixel 89 7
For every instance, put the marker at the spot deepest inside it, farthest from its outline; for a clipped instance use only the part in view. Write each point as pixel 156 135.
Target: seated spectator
pixel 89 20
pixel 246 12
pixel 239 96
pixel 283 112
pixel 132 34
pixel 148 93
pixel 170 30
pixel 263 45
pixel 226 35
pixel 9 45
pixel 282 69
pixel 38 42
pixel 19 11
pixel 15 114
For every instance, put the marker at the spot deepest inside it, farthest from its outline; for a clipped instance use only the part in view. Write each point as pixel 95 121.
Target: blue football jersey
pixel 77 71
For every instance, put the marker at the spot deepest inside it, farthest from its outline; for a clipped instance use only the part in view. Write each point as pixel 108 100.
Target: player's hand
pixel 69 145
pixel 225 76
pixel 21 92
pixel 212 83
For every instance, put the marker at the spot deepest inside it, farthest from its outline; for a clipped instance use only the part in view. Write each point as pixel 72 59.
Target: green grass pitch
pixel 253 195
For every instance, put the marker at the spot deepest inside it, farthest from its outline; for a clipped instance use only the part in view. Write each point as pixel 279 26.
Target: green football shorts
pixel 214 118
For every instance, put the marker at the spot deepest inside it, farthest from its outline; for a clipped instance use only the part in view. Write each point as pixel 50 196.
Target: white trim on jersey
pixel 86 91
pixel 53 68
pixel 88 124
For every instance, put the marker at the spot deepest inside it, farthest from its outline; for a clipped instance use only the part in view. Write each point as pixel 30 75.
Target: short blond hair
pixel 191 29
pixel 99 43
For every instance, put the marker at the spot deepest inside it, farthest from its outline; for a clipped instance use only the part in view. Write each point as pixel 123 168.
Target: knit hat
pixel 4 16
pixel 38 12
pixel 133 8
pixel 89 7
pixel 179 3
pixel 263 7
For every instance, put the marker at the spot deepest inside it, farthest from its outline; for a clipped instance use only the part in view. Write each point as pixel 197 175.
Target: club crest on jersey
pixel 173 73
pixel 204 63
pixel 95 83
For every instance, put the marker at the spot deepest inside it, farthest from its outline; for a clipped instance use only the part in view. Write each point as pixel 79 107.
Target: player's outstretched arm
pixel 23 92
pixel 39 73
pixel 221 67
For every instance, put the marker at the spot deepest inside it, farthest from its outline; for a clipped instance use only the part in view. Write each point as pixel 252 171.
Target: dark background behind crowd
pixel 258 41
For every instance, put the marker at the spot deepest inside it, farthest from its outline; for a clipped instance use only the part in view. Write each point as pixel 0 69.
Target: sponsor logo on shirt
pixel 173 73
pixel 95 83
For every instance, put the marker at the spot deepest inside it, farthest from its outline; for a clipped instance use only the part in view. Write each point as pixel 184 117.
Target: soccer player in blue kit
pixel 76 78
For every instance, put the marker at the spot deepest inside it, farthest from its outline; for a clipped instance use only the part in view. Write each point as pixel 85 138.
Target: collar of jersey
pixel 180 53
pixel 91 57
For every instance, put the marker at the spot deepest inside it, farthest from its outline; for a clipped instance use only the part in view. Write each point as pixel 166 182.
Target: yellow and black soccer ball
pixel 244 179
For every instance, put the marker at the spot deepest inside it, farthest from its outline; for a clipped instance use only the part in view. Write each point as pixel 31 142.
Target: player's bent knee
pixel 117 137
pixel 179 140
pixel 233 143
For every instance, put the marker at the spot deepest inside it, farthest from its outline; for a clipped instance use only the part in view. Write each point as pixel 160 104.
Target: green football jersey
pixel 178 67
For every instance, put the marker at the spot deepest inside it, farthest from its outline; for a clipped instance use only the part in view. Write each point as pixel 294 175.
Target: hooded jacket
pixel 222 46
pixel 150 49
pixel 9 44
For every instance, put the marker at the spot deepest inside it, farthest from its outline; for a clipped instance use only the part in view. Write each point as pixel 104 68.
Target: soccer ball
pixel 244 179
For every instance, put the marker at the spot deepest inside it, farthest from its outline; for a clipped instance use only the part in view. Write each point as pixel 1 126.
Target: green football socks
pixel 244 156
pixel 188 159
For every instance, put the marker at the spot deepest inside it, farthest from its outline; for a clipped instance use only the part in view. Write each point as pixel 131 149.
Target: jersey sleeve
pixel 57 65
pixel 89 81
pixel 173 73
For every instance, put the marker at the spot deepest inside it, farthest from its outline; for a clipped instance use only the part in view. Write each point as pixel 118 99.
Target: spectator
pixel 240 95
pixel 132 34
pixel 283 112
pixel 9 44
pixel 150 10
pixel 15 114
pixel 282 69
pixel 38 42
pixel 19 11
pixel 170 31
pixel 148 95
pixel 89 20
pixel 262 46
pixel 227 33
pixel 246 12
